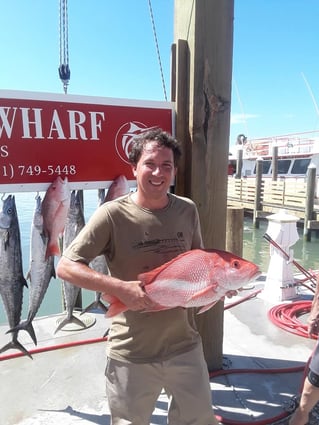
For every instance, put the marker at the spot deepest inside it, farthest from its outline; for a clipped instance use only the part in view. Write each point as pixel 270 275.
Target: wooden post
pixel 310 197
pixel 239 163
pixel 234 230
pixel 207 27
pixel 274 163
pixel 180 95
pixel 258 192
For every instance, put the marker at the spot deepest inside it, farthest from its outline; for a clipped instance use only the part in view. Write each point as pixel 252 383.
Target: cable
pixel 157 48
pixel 64 70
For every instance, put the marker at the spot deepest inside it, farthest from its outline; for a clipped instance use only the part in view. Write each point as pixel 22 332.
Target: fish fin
pixel 208 289
pixel 106 333
pixel 15 345
pixel 206 307
pixel 68 320
pixel 52 250
pixel 25 283
pixel 115 308
pixel 95 305
pixel 27 326
pixel 148 277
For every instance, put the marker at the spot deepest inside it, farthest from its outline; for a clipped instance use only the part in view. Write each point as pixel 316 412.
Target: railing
pixel 296 196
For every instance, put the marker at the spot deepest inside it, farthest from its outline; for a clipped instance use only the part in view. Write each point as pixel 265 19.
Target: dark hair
pixel 158 135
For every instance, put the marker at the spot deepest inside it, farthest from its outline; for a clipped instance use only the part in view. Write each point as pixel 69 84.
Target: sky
pixel 112 53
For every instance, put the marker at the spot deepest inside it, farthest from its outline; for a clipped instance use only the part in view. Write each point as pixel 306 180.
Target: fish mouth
pixel 255 276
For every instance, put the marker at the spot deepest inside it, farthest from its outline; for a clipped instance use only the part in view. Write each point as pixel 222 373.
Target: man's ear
pixel 134 171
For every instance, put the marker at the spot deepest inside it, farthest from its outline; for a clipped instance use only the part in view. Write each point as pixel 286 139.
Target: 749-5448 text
pixel 10 170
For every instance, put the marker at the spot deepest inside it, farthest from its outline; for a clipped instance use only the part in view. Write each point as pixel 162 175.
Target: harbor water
pixel 255 248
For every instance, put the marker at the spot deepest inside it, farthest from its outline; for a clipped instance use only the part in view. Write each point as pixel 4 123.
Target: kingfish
pixel 12 281
pixel 41 268
pixel 197 278
pixel 119 187
pixel 74 223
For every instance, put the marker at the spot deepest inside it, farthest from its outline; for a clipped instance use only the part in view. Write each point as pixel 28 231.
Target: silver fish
pixel 41 268
pixel 74 223
pixel 119 187
pixel 12 280
pixel 98 264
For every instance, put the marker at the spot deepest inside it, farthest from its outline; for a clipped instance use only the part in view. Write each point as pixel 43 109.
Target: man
pixel 310 392
pixel 138 232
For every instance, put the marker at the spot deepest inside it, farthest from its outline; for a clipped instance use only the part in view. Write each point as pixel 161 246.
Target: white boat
pixel 295 152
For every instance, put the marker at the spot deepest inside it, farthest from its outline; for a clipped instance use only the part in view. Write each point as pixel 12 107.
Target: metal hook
pixel 2 197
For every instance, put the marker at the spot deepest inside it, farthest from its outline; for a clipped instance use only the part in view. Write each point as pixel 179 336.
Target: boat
pixel 294 152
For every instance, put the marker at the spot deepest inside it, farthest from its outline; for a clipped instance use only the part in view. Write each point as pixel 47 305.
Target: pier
pixel 262 197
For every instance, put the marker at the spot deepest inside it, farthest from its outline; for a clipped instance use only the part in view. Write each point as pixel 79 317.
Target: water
pixel 52 302
pixel 255 248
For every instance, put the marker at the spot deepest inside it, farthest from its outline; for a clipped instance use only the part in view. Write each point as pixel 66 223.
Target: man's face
pixel 155 170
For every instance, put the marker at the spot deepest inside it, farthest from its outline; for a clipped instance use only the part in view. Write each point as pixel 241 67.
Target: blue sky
pixel 112 53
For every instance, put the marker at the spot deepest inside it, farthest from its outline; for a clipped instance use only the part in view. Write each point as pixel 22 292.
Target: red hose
pixel 285 316
pixel 266 421
pixel 53 347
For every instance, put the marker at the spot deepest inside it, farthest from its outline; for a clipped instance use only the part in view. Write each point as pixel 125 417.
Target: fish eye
pixel 236 264
pixel 9 211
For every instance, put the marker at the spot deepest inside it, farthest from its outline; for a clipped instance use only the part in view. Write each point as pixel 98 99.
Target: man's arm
pixel 79 274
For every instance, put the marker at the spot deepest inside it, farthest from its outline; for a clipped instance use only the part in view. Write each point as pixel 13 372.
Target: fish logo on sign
pixel 125 136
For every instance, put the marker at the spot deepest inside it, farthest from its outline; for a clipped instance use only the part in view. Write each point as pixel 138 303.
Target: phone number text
pixel 10 170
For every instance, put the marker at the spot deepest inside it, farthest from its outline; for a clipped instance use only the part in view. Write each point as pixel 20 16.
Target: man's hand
pixel 132 295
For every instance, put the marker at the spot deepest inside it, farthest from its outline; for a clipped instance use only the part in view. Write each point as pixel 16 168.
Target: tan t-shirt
pixel 135 240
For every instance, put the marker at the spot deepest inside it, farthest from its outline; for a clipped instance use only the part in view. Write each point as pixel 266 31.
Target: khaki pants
pixel 132 390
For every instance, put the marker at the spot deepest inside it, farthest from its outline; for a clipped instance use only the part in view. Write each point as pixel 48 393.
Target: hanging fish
pixel 12 280
pixel 119 187
pixel 74 223
pixel 55 207
pixel 41 269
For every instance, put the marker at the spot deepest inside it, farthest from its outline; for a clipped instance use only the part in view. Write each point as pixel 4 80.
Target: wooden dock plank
pixel 289 194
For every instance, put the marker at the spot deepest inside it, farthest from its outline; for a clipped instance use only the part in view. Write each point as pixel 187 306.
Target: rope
pixel 157 48
pixel 64 70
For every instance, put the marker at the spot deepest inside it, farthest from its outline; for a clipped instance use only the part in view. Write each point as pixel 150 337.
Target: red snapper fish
pixel 196 278
pixel 119 187
pixel 55 207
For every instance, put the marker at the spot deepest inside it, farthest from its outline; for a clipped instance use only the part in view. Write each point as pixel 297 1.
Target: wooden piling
pixel 234 230
pixel 207 28
pixel 258 193
pixel 239 163
pixel 274 163
pixel 311 185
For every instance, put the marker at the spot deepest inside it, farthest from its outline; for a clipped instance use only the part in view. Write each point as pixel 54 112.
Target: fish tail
pixel 115 308
pixel 27 326
pixel 68 320
pixel 52 250
pixel 15 345
pixel 95 305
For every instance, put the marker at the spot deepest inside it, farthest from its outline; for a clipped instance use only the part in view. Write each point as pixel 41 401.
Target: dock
pixel 262 197
pixel 260 381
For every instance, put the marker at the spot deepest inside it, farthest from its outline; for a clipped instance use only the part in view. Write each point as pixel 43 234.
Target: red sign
pixel 86 139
